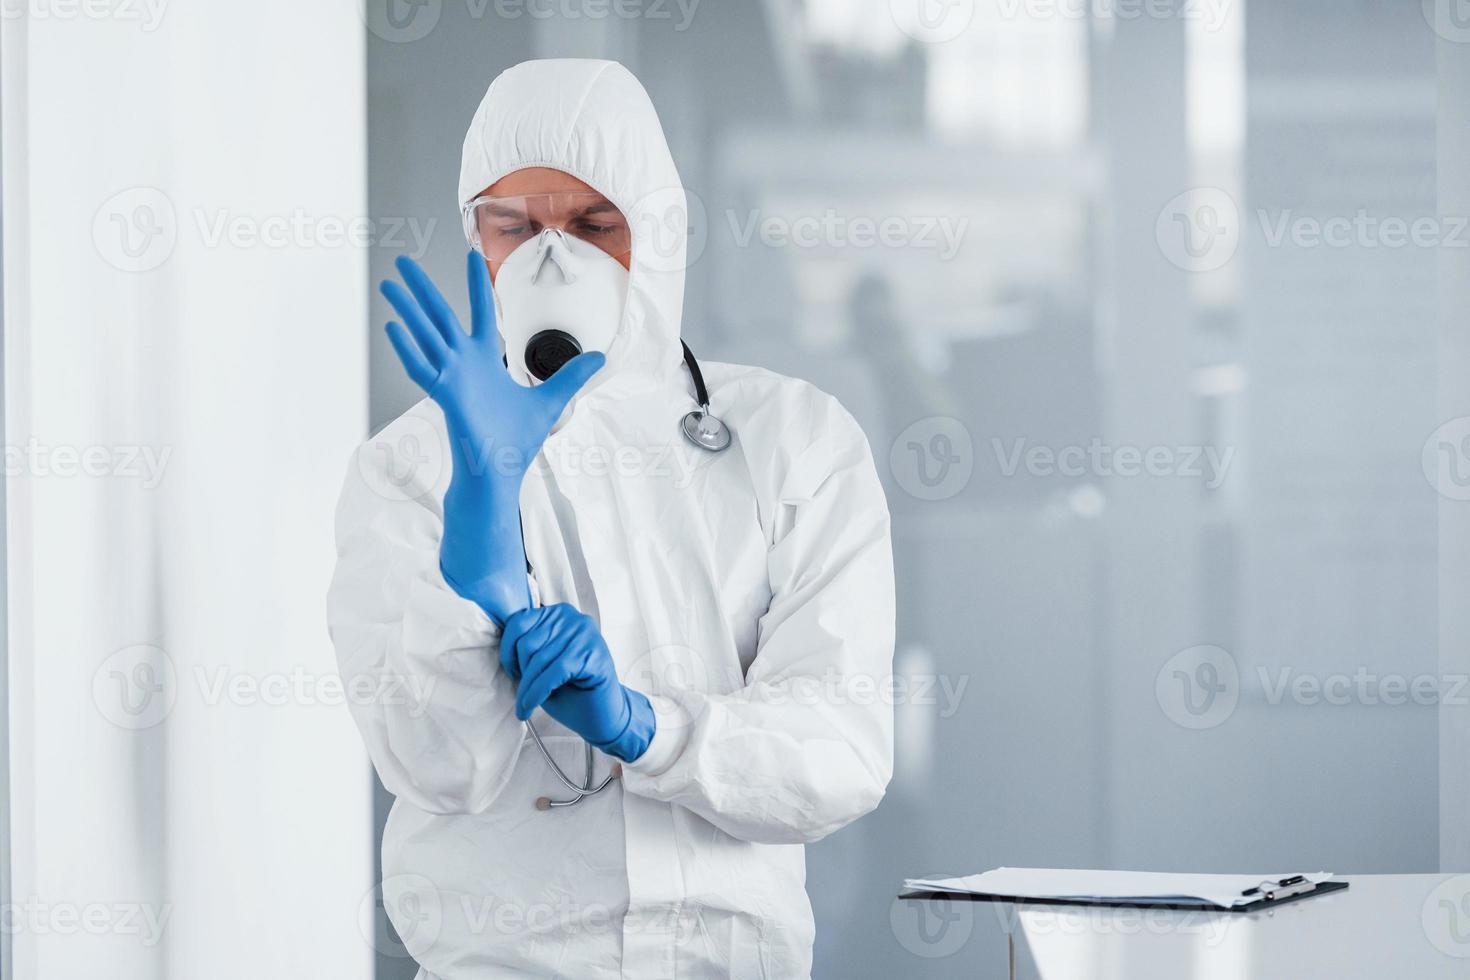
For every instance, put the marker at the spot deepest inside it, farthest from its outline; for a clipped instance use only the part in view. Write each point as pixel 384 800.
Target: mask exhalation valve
pixel 548 350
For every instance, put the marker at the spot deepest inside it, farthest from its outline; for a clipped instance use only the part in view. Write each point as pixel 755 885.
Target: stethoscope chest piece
pixel 700 427
pixel 706 431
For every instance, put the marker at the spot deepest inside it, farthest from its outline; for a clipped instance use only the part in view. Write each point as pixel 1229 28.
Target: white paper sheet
pixel 1136 887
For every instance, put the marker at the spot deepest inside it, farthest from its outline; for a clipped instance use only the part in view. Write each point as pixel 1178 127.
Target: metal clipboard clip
pixel 1273 891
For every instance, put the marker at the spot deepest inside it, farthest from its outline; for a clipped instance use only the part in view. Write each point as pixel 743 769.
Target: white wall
pixel 216 386
pixel 1453 143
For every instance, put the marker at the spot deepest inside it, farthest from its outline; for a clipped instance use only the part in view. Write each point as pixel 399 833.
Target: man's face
pixel 518 206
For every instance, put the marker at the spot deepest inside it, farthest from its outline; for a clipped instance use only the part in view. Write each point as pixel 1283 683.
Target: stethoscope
pixel 701 427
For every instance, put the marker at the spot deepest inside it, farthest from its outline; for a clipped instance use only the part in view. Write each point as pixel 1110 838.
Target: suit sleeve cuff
pixel 670 736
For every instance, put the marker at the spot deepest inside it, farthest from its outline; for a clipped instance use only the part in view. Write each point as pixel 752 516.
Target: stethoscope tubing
pixel 586 788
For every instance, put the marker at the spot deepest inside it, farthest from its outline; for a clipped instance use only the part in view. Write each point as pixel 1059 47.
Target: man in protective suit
pixel 719 624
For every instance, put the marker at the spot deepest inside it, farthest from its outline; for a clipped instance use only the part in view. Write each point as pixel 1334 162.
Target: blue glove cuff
pixel 498 598
pixel 636 735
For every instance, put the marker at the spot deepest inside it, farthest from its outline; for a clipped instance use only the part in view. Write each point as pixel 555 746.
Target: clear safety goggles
pixel 496 226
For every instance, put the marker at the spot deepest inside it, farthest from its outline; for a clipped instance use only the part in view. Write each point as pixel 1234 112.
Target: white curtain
pixel 185 374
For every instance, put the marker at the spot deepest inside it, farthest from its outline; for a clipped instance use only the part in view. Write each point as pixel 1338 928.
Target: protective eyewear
pixel 496 226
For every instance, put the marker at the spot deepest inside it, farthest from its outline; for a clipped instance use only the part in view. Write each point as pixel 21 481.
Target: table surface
pixel 1381 926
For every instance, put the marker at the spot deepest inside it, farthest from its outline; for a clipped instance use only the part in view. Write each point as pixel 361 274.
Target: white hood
pixel 593 120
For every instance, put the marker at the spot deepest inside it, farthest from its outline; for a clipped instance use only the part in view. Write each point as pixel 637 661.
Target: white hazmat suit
pixel 749 594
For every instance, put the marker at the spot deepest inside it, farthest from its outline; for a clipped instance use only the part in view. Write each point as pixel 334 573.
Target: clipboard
pixel 1321 888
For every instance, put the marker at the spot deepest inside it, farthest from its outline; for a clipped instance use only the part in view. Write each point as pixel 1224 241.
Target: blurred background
pixel 1153 314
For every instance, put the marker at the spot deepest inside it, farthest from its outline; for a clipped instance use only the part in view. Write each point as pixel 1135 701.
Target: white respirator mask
pixel 556 297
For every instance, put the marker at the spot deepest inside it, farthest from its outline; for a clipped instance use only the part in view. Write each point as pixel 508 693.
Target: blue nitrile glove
pixel 495 428
pixel 560 663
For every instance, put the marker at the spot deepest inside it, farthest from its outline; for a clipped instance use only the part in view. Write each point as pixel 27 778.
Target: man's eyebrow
pixel 502 211
pixel 597 208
